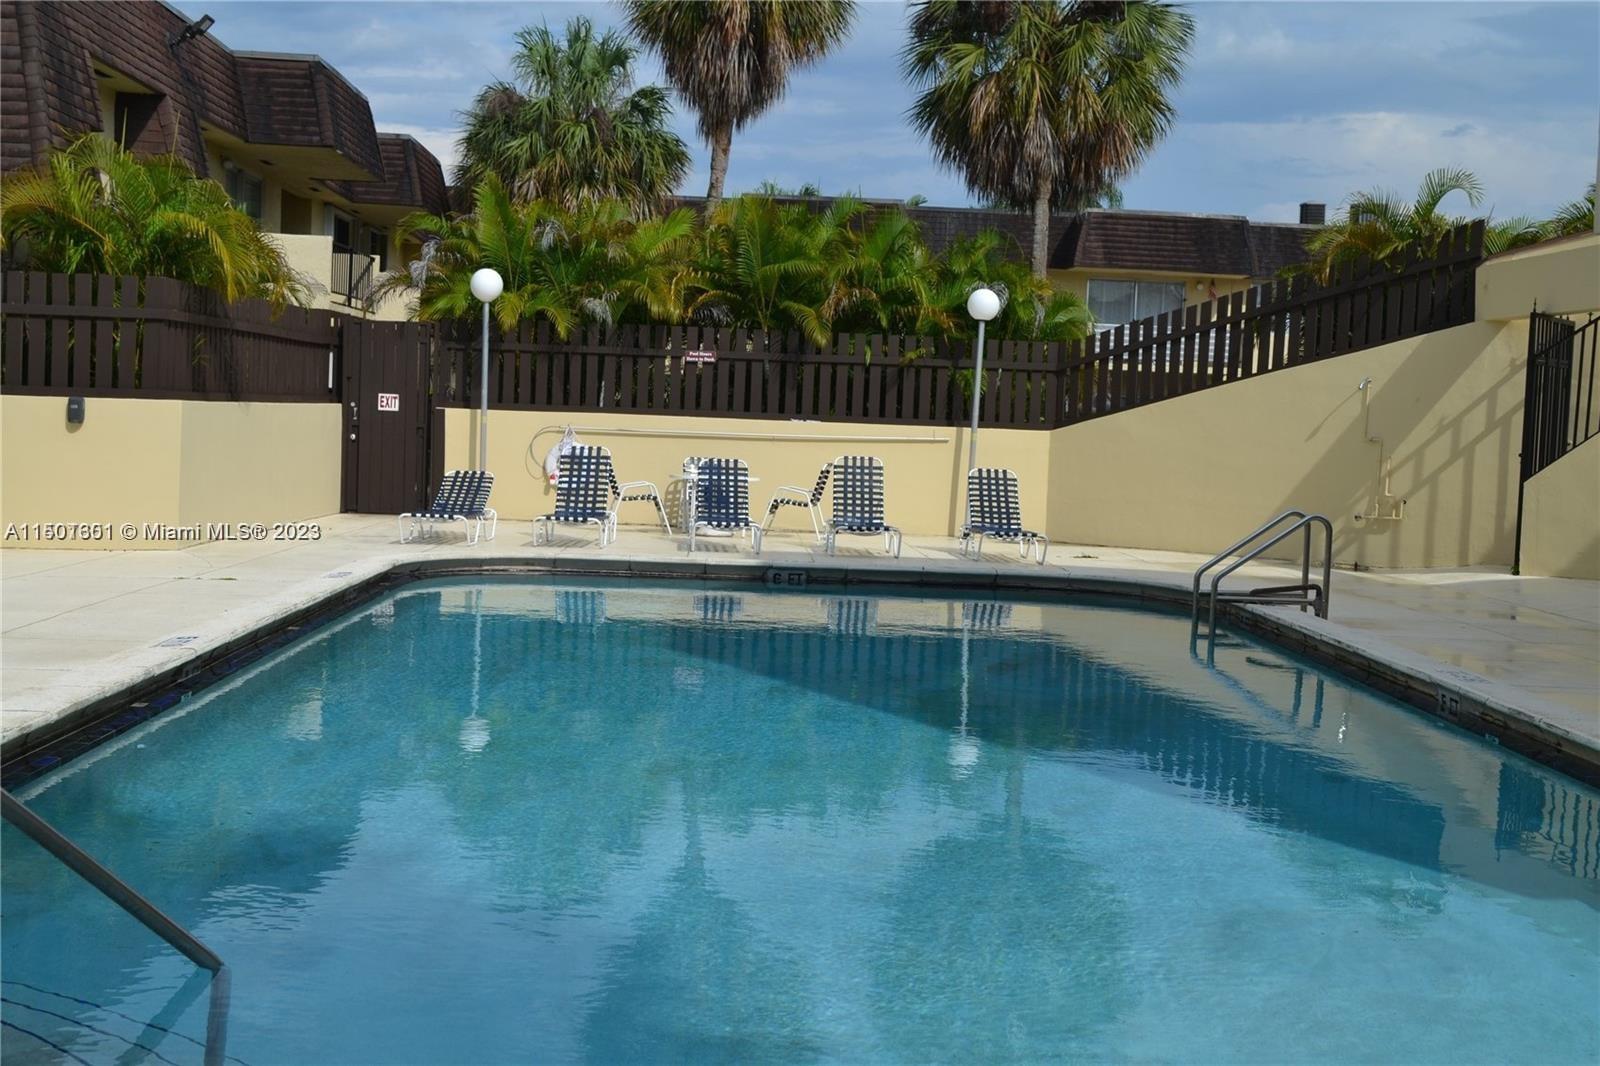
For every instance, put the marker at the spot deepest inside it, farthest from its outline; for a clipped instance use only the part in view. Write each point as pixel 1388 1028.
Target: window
pixel 244 188
pixel 378 247
pixel 342 229
pixel 1116 302
pixel 132 113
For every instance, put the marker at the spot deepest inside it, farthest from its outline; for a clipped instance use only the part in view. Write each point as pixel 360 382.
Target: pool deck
pixel 1514 657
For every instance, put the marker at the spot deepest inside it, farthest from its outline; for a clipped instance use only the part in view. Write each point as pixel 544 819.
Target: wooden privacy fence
pixel 154 337
pixel 97 335
pixel 900 380
pixel 690 370
pixel 1272 326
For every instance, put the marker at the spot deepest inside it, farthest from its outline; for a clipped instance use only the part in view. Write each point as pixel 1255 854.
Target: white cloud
pixel 1526 167
pixel 427 70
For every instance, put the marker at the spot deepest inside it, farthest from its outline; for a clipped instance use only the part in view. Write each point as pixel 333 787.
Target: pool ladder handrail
pixel 1306 594
pixel 128 898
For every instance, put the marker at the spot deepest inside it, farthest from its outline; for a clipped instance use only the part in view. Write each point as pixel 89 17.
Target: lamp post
pixel 486 286
pixel 983 304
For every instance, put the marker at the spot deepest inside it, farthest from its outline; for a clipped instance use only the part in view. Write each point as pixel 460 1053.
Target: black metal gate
pixel 1558 410
pixel 385 367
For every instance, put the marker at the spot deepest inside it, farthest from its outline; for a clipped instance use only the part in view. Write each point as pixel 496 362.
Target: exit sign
pixel 388 401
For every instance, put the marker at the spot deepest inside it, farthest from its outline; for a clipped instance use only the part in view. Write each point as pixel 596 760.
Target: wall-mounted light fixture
pixel 197 28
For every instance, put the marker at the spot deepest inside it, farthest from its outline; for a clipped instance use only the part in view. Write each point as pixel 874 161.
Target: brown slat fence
pixel 690 370
pixel 911 380
pixel 156 338
pixel 1270 327
pixel 97 335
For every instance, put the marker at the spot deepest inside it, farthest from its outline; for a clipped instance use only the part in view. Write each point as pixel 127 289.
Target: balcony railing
pixel 353 279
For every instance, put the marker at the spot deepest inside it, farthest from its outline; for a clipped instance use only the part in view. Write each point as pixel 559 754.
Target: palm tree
pixel 1573 218
pixel 1044 103
pixel 573 129
pixel 883 279
pixel 763 265
pixel 1377 226
pixel 594 263
pixel 731 59
pixel 95 208
pixel 1032 309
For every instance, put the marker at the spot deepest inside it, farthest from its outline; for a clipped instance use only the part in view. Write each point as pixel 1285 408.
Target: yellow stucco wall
pixel 311 255
pixel 1561 517
pixel 120 465
pixel 924 479
pixel 258 462
pixel 1197 472
pixel 163 462
pixel 1562 276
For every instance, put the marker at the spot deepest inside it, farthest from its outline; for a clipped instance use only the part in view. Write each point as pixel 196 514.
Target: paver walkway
pixel 77 626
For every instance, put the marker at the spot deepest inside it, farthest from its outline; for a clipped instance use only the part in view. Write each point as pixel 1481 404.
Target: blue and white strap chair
pixel 463 496
pixel 722 499
pixel 799 496
pixel 635 492
pixel 994 510
pixel 858 502
pixel 583 493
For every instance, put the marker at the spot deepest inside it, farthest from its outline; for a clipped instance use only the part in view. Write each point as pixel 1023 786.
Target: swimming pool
pixel 497 820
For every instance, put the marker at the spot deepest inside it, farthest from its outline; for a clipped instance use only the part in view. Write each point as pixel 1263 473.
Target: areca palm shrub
pixel 753 264
pixel 1377 226
pixel 591 264
pixel 1044 104
pixel 764 265
pixel 573 129
pixel 1031 310
pixel 95 208
pixel 882 278
pixel 731 59
pixel 845 269
pixel 1574 217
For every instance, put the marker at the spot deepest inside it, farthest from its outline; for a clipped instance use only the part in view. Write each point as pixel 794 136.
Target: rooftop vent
pixel 1313 214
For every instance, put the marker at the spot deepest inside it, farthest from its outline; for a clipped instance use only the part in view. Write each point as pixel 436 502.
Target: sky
pixel 1280 103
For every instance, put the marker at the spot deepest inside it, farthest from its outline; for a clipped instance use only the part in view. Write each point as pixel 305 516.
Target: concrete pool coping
pixel 99 677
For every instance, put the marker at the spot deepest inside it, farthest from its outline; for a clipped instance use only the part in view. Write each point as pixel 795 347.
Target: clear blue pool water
pixel 513 821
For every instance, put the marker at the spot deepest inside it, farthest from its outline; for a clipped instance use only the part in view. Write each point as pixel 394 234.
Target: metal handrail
pixel 1303 523
pixel 1327 563
pixel 1305 570
pixel 149 915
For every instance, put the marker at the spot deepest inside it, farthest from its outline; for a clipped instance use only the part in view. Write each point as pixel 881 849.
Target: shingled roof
pixel 1181 243
pixel 411 176
pixel 301 100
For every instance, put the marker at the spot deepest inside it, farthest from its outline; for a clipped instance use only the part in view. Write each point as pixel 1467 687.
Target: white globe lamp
pixel 983 304
pixel 486 285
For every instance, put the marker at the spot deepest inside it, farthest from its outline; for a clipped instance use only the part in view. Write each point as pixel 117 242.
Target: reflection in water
pixel 580 607
pixel 854 828
pixel 718 607
pixel 854 616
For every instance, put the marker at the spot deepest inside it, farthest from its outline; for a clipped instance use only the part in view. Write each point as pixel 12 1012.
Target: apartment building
pixel 289 137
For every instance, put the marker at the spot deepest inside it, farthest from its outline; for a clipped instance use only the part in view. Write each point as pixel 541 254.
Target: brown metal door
pixel 385 401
